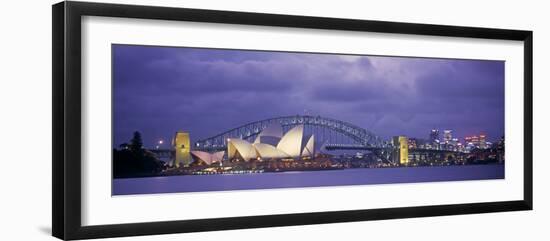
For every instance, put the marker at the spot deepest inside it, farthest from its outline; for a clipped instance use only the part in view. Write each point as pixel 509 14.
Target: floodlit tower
pixel 401 153
pixel 182 146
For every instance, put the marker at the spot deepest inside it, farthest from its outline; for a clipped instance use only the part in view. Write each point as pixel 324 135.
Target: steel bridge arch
pixel 249 130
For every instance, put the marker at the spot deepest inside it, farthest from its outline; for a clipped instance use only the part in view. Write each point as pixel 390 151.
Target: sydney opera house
pixel 269 144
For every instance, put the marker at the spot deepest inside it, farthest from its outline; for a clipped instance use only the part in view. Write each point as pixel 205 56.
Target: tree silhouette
pixel 132 160
pixel 136 144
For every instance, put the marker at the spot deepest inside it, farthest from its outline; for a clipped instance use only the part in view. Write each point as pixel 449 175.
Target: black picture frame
pixel 67 135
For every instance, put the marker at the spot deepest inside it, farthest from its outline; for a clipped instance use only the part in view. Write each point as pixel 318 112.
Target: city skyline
pixel 161 90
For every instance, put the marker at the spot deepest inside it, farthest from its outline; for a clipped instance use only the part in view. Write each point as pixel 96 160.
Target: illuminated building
pixel 469 147
pixel 472 141
pixel 413 143
pixel 500 143
pixel 477 141
pixel 434 136
pixel 202 157
pixel 401 153
pixel 460 147
pixel 454 144
pixel 482 141
pixel 436 145
pixel 447 136
pixel 182 146
pixel 271 144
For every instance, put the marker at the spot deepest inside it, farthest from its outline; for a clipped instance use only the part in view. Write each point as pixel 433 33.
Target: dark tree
pixel 136 144
pixel 132 160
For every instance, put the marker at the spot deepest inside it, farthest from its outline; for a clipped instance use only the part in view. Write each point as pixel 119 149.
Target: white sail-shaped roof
pixel 201 156
pixel 309 148
pixel 241 148
pixel 266 151
pixel 218 156
pixel 291 143
pixel 208 158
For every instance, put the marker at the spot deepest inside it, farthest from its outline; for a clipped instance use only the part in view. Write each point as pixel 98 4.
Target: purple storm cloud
pixel 160 90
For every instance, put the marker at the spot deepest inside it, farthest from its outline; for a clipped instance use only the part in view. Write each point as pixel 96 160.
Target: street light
pixel 159 143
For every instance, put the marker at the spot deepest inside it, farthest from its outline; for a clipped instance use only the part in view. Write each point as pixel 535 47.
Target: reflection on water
pixel 361 176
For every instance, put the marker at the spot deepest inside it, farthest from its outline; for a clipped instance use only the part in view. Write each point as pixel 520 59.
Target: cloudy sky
pixel 160 90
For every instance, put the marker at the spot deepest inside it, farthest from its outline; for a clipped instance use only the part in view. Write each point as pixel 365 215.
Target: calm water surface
pixel 360 176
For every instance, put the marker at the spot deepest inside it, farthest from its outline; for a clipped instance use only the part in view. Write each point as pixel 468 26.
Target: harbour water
pixel 357 176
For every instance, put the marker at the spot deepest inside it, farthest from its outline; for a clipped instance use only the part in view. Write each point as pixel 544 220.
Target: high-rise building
pixel 454 141
pixel 475 141
pixel 401 153
pixel 453 144
pixel 434 136
pixel 482 141
pixel 447 136
pixel 182 146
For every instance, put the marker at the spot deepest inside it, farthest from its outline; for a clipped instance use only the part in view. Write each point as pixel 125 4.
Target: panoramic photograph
pixel 188 119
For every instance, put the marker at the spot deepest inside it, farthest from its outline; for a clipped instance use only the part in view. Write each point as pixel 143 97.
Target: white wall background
pixel 25 126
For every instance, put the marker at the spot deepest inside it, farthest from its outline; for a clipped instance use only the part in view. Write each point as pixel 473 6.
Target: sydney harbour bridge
pixel 334 134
